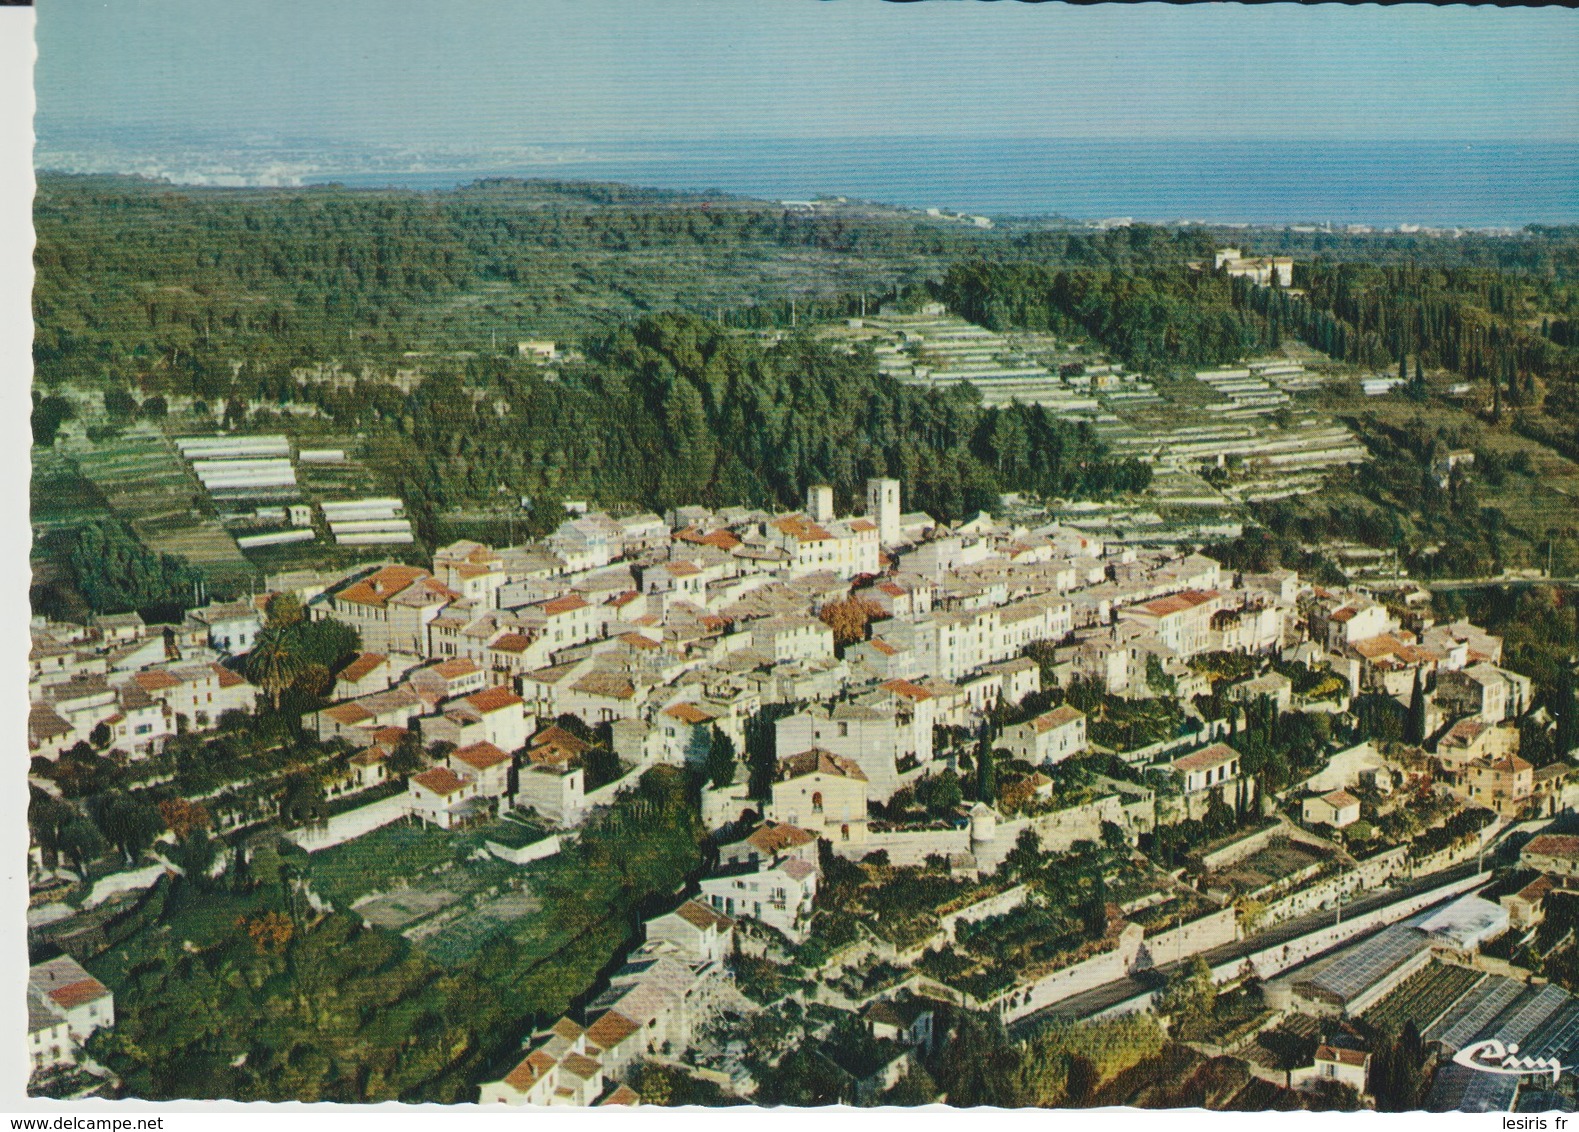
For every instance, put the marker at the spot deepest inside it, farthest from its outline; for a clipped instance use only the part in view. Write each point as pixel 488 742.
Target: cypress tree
pixel 1414 730
pixel 1566 710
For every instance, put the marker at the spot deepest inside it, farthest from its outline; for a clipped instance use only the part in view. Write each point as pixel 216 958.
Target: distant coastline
pixel 1383 184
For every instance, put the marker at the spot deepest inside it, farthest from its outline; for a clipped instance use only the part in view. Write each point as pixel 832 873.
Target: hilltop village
pixel 936 773
pixel 561 642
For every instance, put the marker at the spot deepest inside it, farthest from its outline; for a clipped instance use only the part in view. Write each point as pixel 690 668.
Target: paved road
pixel 1111 994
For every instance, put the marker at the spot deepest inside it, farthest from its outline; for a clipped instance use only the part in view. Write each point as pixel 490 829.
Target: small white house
pixel 440 796
pixel 486 764
pixel 1337 809
pixel 1208 767
pixel 1343 1066
pixel 697 932
pixel 1051 737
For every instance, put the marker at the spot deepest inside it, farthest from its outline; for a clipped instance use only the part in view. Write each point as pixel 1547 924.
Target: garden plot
pixel 399 910
pixel 463 935
pixel 1424 997
pixel 344 479
pixel 1281 861
pixel 437 888
pixel 394 858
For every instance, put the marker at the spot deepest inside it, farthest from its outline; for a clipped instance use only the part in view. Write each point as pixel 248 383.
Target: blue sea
pixel 1384 184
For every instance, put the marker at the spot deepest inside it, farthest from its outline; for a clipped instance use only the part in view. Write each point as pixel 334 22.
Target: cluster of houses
pixel 141 683
pixel 668 636
pixel 654 1005
pixel 1449 676
pixel 673 632
pixel 675 982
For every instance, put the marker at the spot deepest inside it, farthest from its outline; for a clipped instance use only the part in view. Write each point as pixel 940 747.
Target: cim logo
pixel 1491 1056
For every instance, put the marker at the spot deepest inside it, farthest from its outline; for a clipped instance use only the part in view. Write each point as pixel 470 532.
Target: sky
pixel 481 73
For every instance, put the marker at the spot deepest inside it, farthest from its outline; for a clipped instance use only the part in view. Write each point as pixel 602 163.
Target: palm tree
pixel 271 664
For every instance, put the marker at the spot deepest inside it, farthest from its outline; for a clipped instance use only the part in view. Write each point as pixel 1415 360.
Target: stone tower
pixel 882 507
pixel 819 503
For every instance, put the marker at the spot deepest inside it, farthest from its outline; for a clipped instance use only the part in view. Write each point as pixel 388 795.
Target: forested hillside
pixel 674 410
pixel 142 283
pixel 148 293
pixel 1151 317
pixel 1512 329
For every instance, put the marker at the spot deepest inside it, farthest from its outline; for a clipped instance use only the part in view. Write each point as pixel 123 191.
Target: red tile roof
pixel 1564 846
pixel 801 529
pixel 906 690
pixel 377 588
pixel 348 714
pixel 1463 733
pixel 580 1065
pixel 1342 1056
pixel 556 736
pixel 79 993
pixel 441 780
pixel 44 722
pixel 1058 717
pixel 156 680
pixel 1536 890
pixel 1215 755
pixel 818 761
pixel 722 539
pixel 699 915
pixel 493 699
pixel 1376 647
pixel 610 1030
pixel 456 666
pixel 481 756
pixel 1512 764
pixel 569 603
pixel 775 837
pixel 689 713
pixel 1179 602
pixel 530 1071
pixel 361 666
pixel 797 868
pixel 610 684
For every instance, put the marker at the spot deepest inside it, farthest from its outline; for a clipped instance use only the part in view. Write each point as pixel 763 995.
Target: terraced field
pixel 61 499
pixel 142 478
pixel 1423 997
